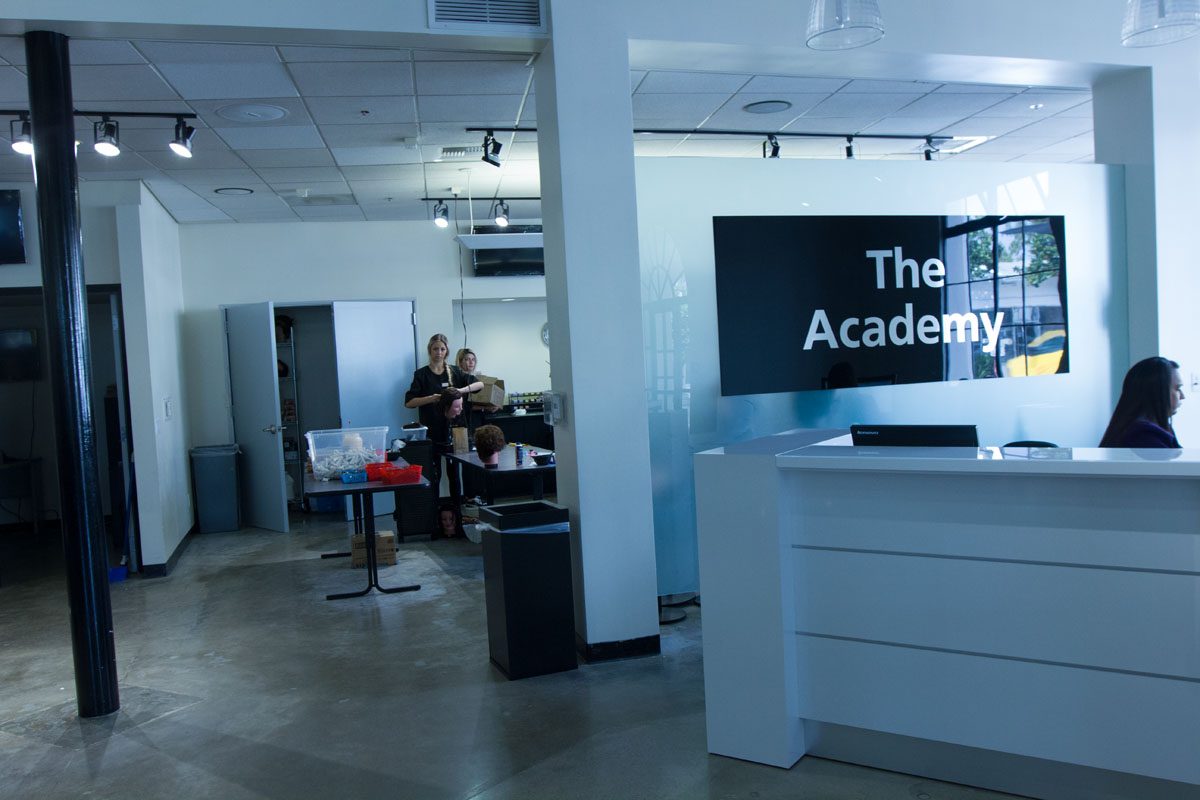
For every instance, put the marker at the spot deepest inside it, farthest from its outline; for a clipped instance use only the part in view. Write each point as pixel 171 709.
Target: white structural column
pixel 585 146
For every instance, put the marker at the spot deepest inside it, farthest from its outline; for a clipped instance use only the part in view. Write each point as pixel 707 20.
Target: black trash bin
pixel 215 488
pixel 527 586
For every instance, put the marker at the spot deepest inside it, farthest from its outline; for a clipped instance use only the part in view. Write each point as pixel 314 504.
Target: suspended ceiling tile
pixel 1062 127
pixel 916 126
pixel 664 82
pixel 280 175
pixel 521 151
pixel 260 202
pixel 636 76
pixel 986 126
pixel 1075 147
pixel 456 133
pixel 1083 110
pixel 224 80
pixel 369 135
pixel 284 214
pixel 705 147
pixel 191 215
pixel 311 189
pixel 696 107
pixel 362 110
pixel 12 49
pixel 406 210
pixel 302 157
pixel 388 191
pixel 834 125
pixel 147 106
pixel 294 111
pixel 733 116
pixel 949 105
pixel 470 108
pixel 363 156
pixel 202 159
pixel 413 173
pixel 206 53
pixel 91 84
pixel 218 177
pixel 1045 157
pixel 889 87
pixel 1051 103
pixel 1013 146
pixel 388 78
pixel 281 137
pixel 462 55
pixel 14 87
pixel 793 85
pixel 876 105
pixel 91 161
pixel 99 51
pixel 332 213
pixel 977 88
pixel 477 77
pixel 335 54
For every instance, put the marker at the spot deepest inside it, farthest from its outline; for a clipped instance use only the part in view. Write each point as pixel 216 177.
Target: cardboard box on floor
pixel 385 548
pixel 492 393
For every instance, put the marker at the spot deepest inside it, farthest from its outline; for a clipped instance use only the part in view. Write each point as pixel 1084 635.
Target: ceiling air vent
pixel 506 15
pixel 457 153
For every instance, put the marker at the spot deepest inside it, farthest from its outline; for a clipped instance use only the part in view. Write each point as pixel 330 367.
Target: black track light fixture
pixel 929 149
pixel 500 213
pixel 22 140
pixel 849 147
pixel 441 214
pixel 770 147
pixel 106 135
pixel 491 149
pixel 181 145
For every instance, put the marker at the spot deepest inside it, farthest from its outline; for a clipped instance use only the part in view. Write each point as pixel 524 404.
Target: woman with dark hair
pixel 1150 396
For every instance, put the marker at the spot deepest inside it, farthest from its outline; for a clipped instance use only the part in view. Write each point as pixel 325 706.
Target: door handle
pixel 273 428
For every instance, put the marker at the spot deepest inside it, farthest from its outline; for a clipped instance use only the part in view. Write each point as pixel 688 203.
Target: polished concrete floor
pixel 238 680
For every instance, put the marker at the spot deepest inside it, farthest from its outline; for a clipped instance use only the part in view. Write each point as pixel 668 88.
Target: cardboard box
pixel 385 549
pixel 492 393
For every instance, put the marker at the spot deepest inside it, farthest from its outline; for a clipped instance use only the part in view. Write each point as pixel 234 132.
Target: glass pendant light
pixel 1153 22
pixel 844 24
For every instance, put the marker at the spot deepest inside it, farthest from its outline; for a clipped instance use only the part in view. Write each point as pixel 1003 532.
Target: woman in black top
pixel 465 380
pixel 428 383
pixel 1150 396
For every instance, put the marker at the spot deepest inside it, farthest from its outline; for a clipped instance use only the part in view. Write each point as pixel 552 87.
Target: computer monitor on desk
pixel 914 436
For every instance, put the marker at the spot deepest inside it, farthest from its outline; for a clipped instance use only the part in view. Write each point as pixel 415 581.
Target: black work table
pixel 361 495
pixel 457 462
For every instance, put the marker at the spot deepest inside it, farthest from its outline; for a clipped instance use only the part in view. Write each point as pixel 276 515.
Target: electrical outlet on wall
pixel 168 408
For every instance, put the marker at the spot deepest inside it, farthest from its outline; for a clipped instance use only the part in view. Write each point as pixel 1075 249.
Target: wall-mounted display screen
pixel 19 356
pixel 831 302
pixel 12 232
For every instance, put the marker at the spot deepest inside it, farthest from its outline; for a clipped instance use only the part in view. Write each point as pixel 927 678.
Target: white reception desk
pixel 1024 620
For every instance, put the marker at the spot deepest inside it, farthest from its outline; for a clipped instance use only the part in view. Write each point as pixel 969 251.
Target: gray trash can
pixel 215 492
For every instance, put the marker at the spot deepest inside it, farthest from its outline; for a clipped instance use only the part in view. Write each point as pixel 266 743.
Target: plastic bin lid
pixel 215 450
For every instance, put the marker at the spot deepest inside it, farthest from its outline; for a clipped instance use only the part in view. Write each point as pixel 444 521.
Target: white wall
pixel 152 295
pixel 507 340
pixel 314 261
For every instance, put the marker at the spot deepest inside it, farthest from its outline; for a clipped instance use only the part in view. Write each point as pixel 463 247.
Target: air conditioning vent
pixel 507 15
pixel 454 153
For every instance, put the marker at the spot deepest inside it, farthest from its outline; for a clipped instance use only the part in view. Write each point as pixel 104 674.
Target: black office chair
pixel 1030 443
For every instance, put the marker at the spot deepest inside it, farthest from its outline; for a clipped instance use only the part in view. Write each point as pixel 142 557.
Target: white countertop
pixel 837 454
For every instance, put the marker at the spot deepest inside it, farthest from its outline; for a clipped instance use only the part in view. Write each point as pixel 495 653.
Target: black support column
pixel 57 179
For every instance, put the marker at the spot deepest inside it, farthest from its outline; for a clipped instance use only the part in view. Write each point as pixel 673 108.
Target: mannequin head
pixel 449 522
pixel 489 441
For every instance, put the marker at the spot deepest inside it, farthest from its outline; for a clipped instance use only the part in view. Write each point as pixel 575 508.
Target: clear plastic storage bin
pixel 333 452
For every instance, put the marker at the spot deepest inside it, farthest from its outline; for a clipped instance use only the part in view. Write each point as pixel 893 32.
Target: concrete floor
pixel 238 680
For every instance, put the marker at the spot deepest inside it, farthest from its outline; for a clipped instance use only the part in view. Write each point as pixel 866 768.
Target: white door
pixel 375 342
pixel 254 390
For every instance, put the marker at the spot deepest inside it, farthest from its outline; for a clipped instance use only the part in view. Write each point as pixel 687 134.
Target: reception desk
pixel 1024 620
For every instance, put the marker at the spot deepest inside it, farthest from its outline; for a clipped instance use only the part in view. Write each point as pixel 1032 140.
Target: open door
pixel 254 390
pixel 375 341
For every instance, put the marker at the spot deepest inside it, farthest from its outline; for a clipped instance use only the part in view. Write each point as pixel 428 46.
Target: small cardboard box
pixel 492 393
pixel 385 549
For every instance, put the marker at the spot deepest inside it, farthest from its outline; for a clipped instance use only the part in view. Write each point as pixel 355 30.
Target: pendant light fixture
pixel 843 24
pixel 441 215
pixel 22 140
pixel 181 145
pixel 107 137
pixel 1153 22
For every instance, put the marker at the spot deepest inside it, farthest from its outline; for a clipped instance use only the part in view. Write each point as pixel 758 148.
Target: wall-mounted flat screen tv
pixel 836 302
pixel 20 359
pixel 12 233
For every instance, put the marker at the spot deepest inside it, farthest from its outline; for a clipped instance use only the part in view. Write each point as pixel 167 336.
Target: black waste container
pixel 527 586
pixel 215 491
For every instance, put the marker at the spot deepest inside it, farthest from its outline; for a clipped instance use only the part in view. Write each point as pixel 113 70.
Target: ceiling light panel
pixel 660 82
pixel 374 78
pixel 363 110
pixel 236 81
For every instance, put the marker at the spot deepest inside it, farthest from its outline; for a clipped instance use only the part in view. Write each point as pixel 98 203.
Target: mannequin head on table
pixel 489 441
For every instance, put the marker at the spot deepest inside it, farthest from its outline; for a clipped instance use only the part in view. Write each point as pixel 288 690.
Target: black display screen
pixel 509 261
pixel 19 356
pixel 824 302
pixel 12 233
